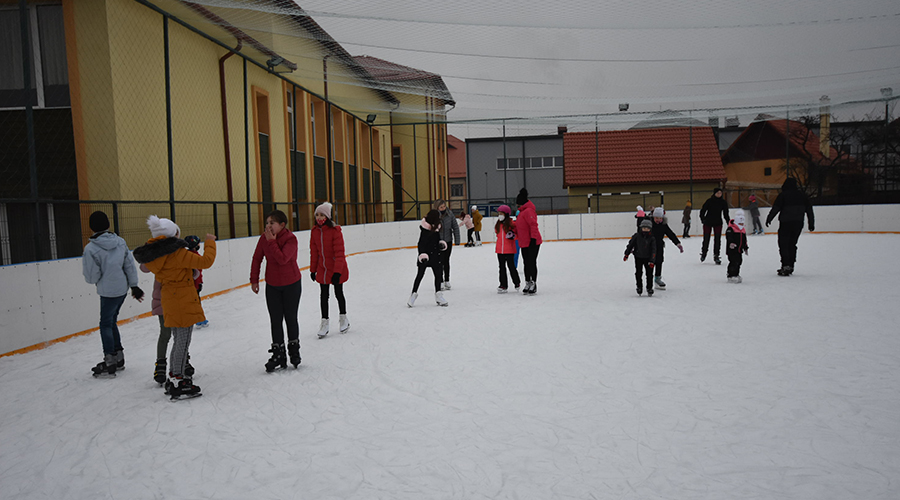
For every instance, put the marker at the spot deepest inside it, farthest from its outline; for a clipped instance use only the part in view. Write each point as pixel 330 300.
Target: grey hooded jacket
pixel 108 264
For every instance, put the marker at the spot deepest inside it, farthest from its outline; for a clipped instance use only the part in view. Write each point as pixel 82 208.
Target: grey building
pixel 498 167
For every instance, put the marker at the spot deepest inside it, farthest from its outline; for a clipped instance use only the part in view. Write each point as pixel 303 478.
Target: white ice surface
pixel 777 388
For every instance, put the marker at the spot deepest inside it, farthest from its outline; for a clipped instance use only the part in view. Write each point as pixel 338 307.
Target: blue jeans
pixel 109 331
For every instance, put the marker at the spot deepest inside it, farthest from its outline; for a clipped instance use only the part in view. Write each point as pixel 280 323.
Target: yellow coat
pixel 174 267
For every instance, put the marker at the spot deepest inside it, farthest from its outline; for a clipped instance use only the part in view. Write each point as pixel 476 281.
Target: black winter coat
pixel 739 240
pixel 714 211
pixel 643 246
pixel 430 244
pixel 792 204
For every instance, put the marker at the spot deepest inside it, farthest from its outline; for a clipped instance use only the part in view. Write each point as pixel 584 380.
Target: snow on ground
pixel 777 388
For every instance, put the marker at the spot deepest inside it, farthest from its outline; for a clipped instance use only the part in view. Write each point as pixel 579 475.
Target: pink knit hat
pixel 324 209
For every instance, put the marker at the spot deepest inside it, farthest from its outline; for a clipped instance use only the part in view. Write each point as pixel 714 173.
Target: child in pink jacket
pixel 505 229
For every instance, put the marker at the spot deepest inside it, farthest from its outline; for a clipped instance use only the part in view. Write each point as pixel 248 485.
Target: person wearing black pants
pixel 338 293
pixel 529 238
pixel 430 247
pixel 283 302
pixel 449 232
pixel 792 204
pixel 713 214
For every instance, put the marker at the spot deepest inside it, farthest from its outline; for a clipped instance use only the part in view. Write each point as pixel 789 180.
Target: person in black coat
pixel 643 245
pixel 792 204
pixel 659 231
pixel 430 247
pixel 713 214
pixel 736 246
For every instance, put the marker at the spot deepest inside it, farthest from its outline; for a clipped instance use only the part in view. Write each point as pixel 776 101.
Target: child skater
pixel 430 247
pixel 643 245
pixel 278 246
pixel 167 257
pixel 193 242
pixel 735 243
pixel 660 230
pixel 328 265
pixel 165 333
pixel 470 227
pixel 505 229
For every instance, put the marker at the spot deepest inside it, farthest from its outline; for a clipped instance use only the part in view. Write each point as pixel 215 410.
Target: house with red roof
pixel 681 162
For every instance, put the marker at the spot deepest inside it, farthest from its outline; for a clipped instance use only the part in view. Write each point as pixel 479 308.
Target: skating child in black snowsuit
pixel 643 245
pixel 660 230
pixel 735 244
pixel 430 247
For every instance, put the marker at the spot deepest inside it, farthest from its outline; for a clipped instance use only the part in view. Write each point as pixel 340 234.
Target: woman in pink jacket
pixel 328 265
pixel 529 238
pixel 505 229
pixel 278 246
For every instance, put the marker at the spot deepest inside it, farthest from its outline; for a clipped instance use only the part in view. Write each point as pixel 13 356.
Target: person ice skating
pixel 449 232
pixel 278 246
pixel 790 206
pixel 470 227
pixel 165 333
pixel 193 242
pixel 753 206
pixel 736 245
pixel 686 219
pixel 168 258
pixel 660 230
pixel 328 265
pixel 643 245
pixel 518 248
pixel 108 264
pixel 713 214
pixel 476 222
pixel 529 238
pixel 430 247
pixel 505 248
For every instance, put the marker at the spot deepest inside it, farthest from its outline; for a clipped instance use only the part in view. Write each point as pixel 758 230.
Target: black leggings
pixel 469 235
pixel 788 234
pixel 338 292
pixel 283 302
pixel 529 255
pixel 506 261
pixel 642 265
pixel 445 261
pixel 436 269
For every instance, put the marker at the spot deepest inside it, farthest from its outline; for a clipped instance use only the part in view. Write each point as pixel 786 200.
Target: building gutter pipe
pixel 226 137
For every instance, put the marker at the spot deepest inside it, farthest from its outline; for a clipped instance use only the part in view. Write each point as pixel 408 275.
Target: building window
pixel 456 190
pixel 767 171
pixel 47 51
pixel 531 162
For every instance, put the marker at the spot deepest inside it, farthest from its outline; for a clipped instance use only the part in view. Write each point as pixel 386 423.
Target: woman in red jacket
pixel 505 229
pixel 278 246
pixel 328 265
pixel 529 238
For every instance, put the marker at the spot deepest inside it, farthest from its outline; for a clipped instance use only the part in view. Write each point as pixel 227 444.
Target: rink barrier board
pixel 52 296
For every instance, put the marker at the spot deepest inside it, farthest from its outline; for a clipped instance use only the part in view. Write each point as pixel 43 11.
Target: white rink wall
pixel 46 301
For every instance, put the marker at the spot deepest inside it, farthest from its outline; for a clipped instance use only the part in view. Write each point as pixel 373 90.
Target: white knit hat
pixel 162 227
pixel 324 209
pixel 659 212
pixel 474 207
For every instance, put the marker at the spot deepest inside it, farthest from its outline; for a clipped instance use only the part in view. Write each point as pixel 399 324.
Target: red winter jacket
pixel 281 259
pixel 527 225
pixel 503 244
pixel 326 253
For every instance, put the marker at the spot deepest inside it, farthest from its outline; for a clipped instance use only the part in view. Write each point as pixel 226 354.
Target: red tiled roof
pixel 798 130
pixel 641 156
pixel 456 157
pixel 399 78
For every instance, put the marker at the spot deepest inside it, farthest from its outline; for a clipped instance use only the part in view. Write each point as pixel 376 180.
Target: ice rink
pixel 776 388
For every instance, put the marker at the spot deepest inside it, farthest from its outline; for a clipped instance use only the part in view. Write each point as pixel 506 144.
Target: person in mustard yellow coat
pixel 476 221
pixel 168 258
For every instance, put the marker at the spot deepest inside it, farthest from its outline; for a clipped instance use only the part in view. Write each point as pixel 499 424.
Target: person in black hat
pixel 107 263
pixel 790 206
pixel 529 238
pixel 713 214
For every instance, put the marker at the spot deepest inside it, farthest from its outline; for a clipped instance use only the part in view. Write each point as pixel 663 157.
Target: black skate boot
pixel 188 367
pixel 106 368
pixel 120 360
pixel 718 260
pixel 278 359
pixel 702 256
pixel 294 352
pixel 649 287
pixel 640 290
pixel 182 388
pixel 159 373
pixel 786 271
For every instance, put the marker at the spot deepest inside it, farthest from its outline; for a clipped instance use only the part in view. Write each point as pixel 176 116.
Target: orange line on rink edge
pixel 66 338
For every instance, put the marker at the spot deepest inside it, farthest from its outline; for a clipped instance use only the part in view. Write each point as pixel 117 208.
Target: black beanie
pixel 98 221
pixel 523 197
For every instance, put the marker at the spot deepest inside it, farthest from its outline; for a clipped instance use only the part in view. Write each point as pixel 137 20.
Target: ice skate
pixel 702 256
pixel 439 298
pixel 293 348
pixel 738 279
pixel 649 291
pixel 412 299
pixel 182 388
pixel 120 360
pixel 106 368
pixel 278 358
pixel 344 323
pixel 323 328
pixel 660 284
pixel 445 285
pixel 731 279
pixel 159 372
pixel 202 324
pixel 640 291
pixel 502 289
pixel 518 287
pixel 717 260
pixel 785 271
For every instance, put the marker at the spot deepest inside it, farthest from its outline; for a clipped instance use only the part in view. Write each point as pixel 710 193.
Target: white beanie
pixel 474 207
pixel 324 209
pixel 739 218
pixel 162 227
pixel 659 212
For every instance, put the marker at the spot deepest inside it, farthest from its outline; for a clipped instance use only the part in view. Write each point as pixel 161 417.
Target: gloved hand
pixel 732 245
pixel 746 251
pixel 626 258
pixel 312 276
pixel 651 264
pixel 137 293
pixel 200 288
pixel 812 227
pixel 768 222
pixel 510 235
pixel 336 279
pixel 443 245
pixel 681 248
pixel 423 257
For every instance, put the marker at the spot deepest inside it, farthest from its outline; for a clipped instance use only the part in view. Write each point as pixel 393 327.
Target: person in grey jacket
pixel 107 263
pixel 450 235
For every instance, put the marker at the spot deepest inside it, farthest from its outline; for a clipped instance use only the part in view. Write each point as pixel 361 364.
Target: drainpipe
pixel 226 138
pixel 328 153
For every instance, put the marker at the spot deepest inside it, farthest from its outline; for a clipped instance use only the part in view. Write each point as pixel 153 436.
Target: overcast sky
pixel 528 58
